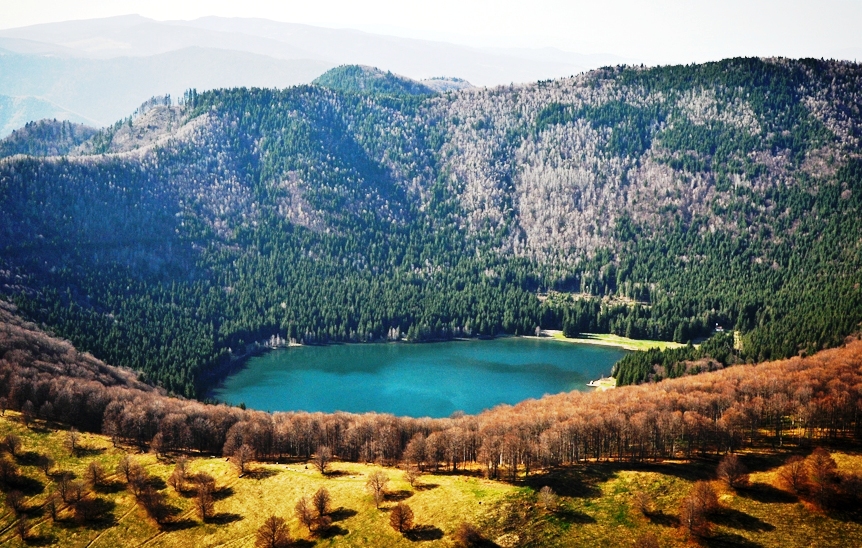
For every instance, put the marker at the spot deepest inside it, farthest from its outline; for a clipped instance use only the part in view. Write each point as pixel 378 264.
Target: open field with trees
pixel 595 503
pixel 761 454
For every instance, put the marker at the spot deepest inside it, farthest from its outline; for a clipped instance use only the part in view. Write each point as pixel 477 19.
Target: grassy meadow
pixel 609 339
pixel 594 505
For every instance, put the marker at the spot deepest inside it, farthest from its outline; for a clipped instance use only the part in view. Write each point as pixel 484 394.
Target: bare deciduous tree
pixel 646 540
pixel 695 509
pixel 321 502
pixel 177 480
pixel 45 463
pixel 642 502
pixel 732 472
pixel 11 443
pixel 204 505
pixel 376 484
pixel 401 518
pixel 273 534
pixel 822 472
pixel 8 471
pixel 52 505
pixel 242 456
pixel 305 512
pixel 22 528
pixel 793 475
pixel 73 438
pixel 548 498
pixel 411 476
pixel 125 467
pixel 15 501
pixel 95 475
pixel 323 458
pixel 468 536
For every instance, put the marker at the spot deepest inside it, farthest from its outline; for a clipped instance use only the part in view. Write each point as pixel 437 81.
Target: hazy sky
pixel 661 31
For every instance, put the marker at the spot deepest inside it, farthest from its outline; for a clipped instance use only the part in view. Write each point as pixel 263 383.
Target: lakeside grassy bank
pixel 607 339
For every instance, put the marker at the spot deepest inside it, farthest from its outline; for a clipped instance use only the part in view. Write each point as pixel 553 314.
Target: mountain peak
pixel 371 80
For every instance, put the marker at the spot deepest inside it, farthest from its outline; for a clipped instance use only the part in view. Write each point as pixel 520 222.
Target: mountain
pixel 104 90
pixel 359 79
pixel 100 69
pixel 648 202
pixel 15 112
pixel 46 138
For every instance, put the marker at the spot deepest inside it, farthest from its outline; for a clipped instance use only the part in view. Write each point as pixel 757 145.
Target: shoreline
pixel 237 362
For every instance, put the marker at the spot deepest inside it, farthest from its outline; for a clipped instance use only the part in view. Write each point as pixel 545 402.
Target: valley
pixel 143 264
pixel 676 198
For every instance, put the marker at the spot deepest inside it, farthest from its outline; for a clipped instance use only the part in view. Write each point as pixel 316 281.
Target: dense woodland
pixel 653 203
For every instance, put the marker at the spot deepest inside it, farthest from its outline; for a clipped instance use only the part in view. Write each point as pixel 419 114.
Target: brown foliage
pixel 305 513
pixel 322 458
pixel 242 456
pixel 401 518
pixel 643 502
pixel 732 472
pixel 376 484
pixel 646 540
pixel 695 509
pixel 204 505
pixel 467 536
pixel 321 502
pixel 822 474
pixel 793 476
pixel 11 443
pixel 272 534
pixel 95 475
pixel 15 502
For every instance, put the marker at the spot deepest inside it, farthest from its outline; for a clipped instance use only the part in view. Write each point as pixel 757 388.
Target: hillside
pixel 45 138
pixel 359 79
pixel 652 203
pixel 621 464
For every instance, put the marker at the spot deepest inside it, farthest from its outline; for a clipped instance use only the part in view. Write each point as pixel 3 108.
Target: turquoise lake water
pixel 431 379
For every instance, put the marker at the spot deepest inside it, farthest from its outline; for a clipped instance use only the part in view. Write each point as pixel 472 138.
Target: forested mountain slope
pixel 45 138
pixel 647 202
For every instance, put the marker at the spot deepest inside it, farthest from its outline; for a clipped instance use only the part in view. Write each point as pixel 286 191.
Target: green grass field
pixel 595 504
pixel 607 339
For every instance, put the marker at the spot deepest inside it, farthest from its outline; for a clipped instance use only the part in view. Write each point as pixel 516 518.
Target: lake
pixel 428 379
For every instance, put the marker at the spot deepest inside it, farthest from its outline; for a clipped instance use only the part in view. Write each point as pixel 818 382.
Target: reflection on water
pixel 433 379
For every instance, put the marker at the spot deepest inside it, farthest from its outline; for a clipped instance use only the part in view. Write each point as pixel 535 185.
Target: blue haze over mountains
pixel 97 71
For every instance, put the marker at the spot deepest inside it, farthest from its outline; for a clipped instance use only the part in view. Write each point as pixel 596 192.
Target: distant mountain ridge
pixel 100 69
